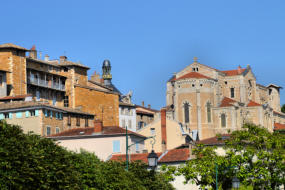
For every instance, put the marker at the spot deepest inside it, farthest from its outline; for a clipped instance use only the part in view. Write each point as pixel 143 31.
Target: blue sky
pixel 147 41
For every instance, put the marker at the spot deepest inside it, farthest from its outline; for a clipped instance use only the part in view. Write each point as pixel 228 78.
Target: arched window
pixel 223 120
pixel 209 112
pixel 186 112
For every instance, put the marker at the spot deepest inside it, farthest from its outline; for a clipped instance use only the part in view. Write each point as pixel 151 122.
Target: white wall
pixel 128 116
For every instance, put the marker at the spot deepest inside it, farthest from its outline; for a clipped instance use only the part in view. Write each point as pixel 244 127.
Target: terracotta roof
pixel 70 63
pixel 279 127
pixel 149 109
pixel 215 140
pixel 134 157
pixel 252 104
pixel 29 104
pixel 227 102
pixel 174 155
pixel 192 75
pixel 51 62
pixel 15 97
pixel 233 72
pixel 107 130
pixel 13 46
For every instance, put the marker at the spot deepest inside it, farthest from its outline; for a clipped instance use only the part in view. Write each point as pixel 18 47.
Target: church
pixel 208 101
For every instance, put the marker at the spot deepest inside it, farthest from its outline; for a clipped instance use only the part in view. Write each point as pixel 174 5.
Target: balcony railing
pixel 43 83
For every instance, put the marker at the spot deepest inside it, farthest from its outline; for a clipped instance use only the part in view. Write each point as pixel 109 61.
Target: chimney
pixel 62 59
pixel 142 103
pixel 148 106
pixel 46 57
pixel 33 52
pixel 239 69
pixel 163 129
pixel 98 126
pixel 96 77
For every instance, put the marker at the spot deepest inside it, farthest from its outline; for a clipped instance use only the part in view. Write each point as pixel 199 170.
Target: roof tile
pixel 227 102
pixel 279 127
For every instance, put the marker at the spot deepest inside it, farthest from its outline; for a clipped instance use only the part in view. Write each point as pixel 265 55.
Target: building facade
pixel 60 83
pixel 127 112
pixel 209 101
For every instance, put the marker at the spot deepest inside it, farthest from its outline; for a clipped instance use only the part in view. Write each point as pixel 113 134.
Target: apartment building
pixel 60 83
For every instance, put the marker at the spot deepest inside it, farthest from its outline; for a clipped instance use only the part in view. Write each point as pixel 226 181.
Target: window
pixel 6 115
pixel 137 147
pixel 57 130
pixel 69 120
pixel 19 115
pixel 249 82
pixel 27 114
pixel 56 115
pixel 38 95
pixel 123 123
pixel 1 116
pixel 32 112
pixel 116 146
pixel 65 101
pixel 152 131
pixel 1 80
pixel 186 112
pixel 48 131
pixel 46 113
pixel 86 121
pixel 54 99
pixel 130 124
pixel 232 92
pixel 50 114
pixel 226 82
pixel 223 120
pixel 77 121
pixel 193 85
pixel 209 112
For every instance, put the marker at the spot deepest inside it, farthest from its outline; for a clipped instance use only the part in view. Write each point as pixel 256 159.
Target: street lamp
pixel 235 183
pixel 152 159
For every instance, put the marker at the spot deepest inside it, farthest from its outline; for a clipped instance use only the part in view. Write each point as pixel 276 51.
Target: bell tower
pixel 107 72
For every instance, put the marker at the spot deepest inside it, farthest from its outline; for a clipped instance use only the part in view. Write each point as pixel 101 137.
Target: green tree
pixel 257 154
pixel 283 108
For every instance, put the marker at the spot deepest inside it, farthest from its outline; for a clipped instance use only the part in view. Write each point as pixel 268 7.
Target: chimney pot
pixel 46 57
pixel 142 103
pixel 62 58
pixel 33 52
pixel 149 106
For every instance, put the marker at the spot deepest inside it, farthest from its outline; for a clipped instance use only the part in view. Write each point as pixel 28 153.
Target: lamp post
pixel 152 157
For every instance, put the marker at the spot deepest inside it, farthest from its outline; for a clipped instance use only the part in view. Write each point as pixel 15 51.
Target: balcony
pixel 45 84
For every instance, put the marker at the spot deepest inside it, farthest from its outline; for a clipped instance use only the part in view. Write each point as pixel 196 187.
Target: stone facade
pixel 61 83
pixel 209 101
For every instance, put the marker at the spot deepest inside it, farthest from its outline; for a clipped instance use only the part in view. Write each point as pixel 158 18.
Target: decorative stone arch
pixel 223 119
pixel 186 110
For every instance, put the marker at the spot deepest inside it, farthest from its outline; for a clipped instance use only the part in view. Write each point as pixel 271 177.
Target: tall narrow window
pixel 48 131
pixel 86 121
pixel 209 112
pixel 223 120
pixel 78 121
pixel 186 112
pixel 1 80
pixel 38 95
pixel 69 120
pixel 130 124
pixel 65 101
pixel 123 123
pixel 232 92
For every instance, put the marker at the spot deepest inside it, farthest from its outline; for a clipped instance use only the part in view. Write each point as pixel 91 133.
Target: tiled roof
pixel 149 109
pixel 233 72
pixel 192 75
pixel 108 130
pixel 143 112
pixel 15 97
pixel 126 104
pixel 70 63
pixel 279 127
pixel 215 140
pixel 227 102
pixel 252 104
pixel 174 155
pixel 134 157
pixel 29 104
pixel 10 45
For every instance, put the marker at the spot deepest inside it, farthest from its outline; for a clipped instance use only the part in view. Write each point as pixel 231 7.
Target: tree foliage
pixel 283 108
pixel 254 155
pixel 28 161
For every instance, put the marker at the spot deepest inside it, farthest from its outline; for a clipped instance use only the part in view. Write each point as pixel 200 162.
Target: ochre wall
pixel 104 105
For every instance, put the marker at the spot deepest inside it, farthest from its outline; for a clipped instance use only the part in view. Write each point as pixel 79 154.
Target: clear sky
pixel 148 40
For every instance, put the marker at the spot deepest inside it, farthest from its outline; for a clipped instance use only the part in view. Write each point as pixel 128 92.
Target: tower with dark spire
pixel 107 73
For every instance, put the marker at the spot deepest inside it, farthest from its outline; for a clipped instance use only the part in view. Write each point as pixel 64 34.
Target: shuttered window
pixel 116 146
